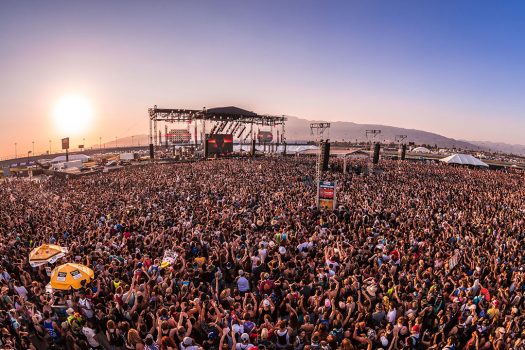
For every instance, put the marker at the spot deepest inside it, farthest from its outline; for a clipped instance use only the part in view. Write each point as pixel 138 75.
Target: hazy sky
pixel 452 67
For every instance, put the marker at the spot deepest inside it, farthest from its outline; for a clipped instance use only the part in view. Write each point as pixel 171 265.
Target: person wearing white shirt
pixel 20 290
pixel 90 334
pixel 242 283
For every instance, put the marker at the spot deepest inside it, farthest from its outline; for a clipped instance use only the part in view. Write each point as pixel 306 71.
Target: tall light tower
pixel 317 130
pixel 370 136
pixel 399 139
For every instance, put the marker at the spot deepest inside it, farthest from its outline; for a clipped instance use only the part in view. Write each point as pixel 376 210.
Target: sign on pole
pixel 65 143
pixel 327 195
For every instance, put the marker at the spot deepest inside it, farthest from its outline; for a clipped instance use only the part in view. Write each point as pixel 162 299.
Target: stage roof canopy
pixel 231 110
pixel 218 114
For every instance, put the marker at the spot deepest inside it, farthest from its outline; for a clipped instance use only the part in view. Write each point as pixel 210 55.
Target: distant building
pixel 179 136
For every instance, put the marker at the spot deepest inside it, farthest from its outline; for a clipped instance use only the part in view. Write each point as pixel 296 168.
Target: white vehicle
pixel 57 166
pixel 73 164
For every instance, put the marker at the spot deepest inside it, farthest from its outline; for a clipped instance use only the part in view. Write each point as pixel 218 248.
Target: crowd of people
pixel 416 256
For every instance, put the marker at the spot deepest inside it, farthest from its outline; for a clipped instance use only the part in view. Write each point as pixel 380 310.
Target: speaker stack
pixel 325 155
pixel 403 151
pixel 151 152
pixel 377 148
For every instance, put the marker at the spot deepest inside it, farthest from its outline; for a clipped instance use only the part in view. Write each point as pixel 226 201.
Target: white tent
pixel 464 159
pixel 61 159
pixel 421 150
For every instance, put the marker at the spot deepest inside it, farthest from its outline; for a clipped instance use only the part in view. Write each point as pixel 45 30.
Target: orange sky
pixel 393 64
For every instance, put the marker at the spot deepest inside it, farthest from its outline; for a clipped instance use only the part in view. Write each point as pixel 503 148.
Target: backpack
pixel 338 334
pixel 282 339
pixel 413 342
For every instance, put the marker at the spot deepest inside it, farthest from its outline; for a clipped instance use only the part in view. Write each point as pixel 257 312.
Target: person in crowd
pixel 233 254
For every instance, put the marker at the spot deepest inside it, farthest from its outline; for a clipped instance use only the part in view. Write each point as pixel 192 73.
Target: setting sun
pixel 72 114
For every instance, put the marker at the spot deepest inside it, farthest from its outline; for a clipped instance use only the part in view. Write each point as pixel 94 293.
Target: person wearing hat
pixel 266 307
pixel 493 311
pixel 150 343
pixel 188 344
pixel 414 339
pixel 244 344
pixel 266 284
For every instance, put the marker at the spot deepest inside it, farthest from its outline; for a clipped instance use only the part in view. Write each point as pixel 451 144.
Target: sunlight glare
pixel 72 115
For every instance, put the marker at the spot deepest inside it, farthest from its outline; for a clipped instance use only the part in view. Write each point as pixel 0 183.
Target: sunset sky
pixel 451 67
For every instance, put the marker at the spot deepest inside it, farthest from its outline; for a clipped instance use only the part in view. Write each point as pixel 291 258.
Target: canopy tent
pixel 357 154
pixel 421 150
pixel 46 253
pixel 71 276
pixel 464 159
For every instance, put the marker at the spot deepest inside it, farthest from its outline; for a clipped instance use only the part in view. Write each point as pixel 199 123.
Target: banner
pixel 326 195
pixel 454 260
pixel 169 258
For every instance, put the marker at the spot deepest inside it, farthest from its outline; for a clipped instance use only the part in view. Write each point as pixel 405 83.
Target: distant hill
pixel 298 129
pixel 135 140
pixel 501 147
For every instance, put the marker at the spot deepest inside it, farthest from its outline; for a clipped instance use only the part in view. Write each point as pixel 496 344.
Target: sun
pixel 72 115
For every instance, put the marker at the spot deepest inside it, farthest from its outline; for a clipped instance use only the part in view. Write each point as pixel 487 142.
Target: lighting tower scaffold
pixel 317 130
pixel 370 135
pixel 399 139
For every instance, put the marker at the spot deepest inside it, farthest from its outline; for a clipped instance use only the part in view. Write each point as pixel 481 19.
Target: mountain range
pixel 298 129
pixel 501 147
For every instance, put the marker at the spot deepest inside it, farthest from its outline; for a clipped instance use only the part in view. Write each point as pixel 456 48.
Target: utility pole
pixel 49 146
pixel 33 150
pixel 100 142
pixel 16 153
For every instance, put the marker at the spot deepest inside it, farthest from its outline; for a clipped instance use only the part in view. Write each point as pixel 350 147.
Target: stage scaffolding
pixel 232 119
